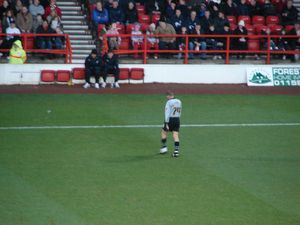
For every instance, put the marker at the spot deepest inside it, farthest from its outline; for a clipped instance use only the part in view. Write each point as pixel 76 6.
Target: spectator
pixel 243 9
pixel 52 6
pixel 17 55
pixel 9 16
pixel 279 5
pixel 116 14
pixel 100 15
pixel 54 20
pixel 58 41
pixel 93 66
pixel 36 9
pixel 171 10
pixel 183 8
pixel 44 42
pixel 222 42
pixel 167 42
pixel 229 8
pixel 4 8
pixel 283 44
pixel 268 9
pixel 212 41
pixel 131 15
pixel 45 3
pixel 11 36
pixel 17 7
pixel 111 66
pixel 26 2
pixel 192 21
pixel 177 21
pixel 289 14
pixel 220 22
pixel 206 21
pixel 265 43
pixel 137 40
pixel 181 41
pixel 254 8
pixel 201 11
pixel 152 42
pixel 197 43
pixel 154 5
pixel 37 22
pixel 24 20
pixel 294 42
pixel 240 43
pixel 115 40
pixel 214 8
pixel 108 5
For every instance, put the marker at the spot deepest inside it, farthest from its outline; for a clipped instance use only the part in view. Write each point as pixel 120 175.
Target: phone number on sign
pixel 286 80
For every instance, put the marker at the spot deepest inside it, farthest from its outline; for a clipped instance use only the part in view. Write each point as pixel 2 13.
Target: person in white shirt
pixel 173 110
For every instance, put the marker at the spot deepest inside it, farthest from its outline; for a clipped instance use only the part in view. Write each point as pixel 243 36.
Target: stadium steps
pixel 75 24
pixel 296 3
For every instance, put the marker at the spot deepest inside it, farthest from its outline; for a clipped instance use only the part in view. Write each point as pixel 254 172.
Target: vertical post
pixel 227 49
pixel 186 49
pixel 145 48
pixel 268 49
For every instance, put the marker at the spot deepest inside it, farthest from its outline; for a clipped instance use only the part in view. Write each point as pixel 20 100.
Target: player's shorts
pixel 174 124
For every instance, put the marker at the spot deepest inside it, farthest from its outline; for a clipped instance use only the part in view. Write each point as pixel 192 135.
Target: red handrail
pixel 67 51
pixel 227 51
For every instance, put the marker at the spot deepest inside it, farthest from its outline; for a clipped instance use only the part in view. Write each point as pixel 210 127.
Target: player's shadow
pixel 134 158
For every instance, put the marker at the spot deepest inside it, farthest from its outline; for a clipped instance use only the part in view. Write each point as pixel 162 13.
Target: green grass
pixel 224 176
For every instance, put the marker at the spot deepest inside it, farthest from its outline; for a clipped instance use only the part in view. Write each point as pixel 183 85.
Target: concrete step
pixel 83 46
pixel 78 61
pixel 70 8
pixel 73 27
pixel 81 51
pixel 77 31
pixel 71 13
pixel 80 37
pixel 67 3
pixel 80 56
pixel 82 42
pixel 74 22
pixel 72 17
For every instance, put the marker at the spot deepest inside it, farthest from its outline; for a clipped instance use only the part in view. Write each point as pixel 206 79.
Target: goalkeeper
pixel 171 124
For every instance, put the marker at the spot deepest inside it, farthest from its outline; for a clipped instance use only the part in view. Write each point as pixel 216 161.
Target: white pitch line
pixel 149 126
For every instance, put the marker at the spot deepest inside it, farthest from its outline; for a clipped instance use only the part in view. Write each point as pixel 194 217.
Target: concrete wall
pixel 205 74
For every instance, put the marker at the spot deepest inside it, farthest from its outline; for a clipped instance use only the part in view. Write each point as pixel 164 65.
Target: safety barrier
pixel 227 50
pixel 28 40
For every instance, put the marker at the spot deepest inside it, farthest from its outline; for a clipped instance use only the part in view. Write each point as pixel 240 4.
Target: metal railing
pixel 28 41
pixel 226 51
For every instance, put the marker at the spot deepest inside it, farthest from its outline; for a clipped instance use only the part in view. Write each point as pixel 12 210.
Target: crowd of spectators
pixel 197 17
pixel 31 16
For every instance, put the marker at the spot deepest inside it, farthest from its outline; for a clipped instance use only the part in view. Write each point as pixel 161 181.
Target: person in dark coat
pixel 289 14
pixel 243 9
pixel 293 43
pixel 220 22
pixel 116 14
pixel 44 42
pixel 111 66
pixel 240 43
pixel 192 21
pixel 254 8
pixel 131 15
pixel 206 20
pixel 229 8
pixel 93 67
pixel 177 21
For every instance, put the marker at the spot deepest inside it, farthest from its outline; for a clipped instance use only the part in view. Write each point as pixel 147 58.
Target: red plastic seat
pixel 250 29
pixel 140 9
pixel 124 74
pixel 260 28
pixel 232 26
pixel 78 73
pixel 246 19
pixel 63 75
pixel 231 19
pixel 258 20
pixel 124 44
pixel 155 18
pixel 288 28
pixel 275 29
pixel 29 43
pixel 48 75
pixel 137 74
pixel 253 44
pixel 272 20
pixel 143 18
pixel 121 28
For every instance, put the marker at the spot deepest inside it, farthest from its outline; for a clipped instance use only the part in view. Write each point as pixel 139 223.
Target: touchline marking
pixel 150 126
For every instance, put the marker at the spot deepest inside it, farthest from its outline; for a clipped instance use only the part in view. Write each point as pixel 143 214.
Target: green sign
pixel 286 76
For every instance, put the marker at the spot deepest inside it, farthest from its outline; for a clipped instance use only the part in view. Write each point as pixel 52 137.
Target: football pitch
pixel 93 160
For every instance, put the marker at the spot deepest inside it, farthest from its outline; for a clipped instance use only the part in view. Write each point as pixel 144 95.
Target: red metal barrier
pixel 28 44
pixel 226 51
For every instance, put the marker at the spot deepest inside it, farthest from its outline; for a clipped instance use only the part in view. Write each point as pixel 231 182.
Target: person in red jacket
pixel 51 7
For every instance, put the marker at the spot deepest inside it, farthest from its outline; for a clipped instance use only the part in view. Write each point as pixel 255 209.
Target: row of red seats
pixel 255 20
pixel 50 76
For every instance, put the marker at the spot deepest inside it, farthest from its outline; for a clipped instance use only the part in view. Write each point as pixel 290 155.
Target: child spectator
pixel 196 43
pixel 17 55
pixel 152 42
pixel 115 40
pixel 8 17
pixel 24 20
pixel 131 15
pixel 137 41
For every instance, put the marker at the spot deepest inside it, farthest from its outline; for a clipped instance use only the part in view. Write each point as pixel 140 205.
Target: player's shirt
pixel 172 109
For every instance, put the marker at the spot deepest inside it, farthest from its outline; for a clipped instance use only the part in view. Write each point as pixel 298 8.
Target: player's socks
pixel 163 143
pixel 176 149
